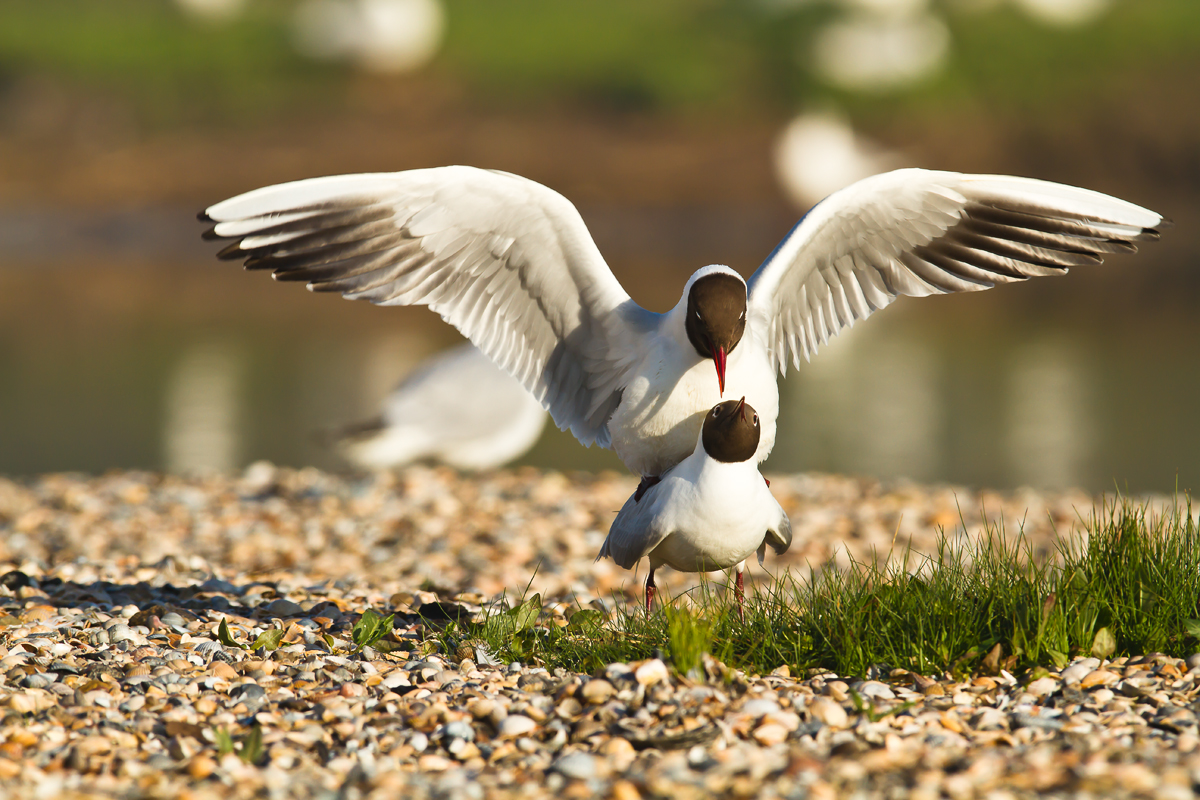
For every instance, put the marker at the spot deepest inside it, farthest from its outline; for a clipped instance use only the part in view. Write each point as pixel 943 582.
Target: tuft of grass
pixel 1129 585
pixel 370 628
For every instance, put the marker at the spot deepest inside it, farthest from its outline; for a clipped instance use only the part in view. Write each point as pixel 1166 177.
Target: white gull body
pixel 511 264
pixel 703 515
pixel 458 408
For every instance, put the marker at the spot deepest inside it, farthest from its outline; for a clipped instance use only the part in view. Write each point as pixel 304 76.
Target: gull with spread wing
pixel 510 263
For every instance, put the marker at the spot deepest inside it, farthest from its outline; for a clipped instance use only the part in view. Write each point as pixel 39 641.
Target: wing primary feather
pixel 1044 239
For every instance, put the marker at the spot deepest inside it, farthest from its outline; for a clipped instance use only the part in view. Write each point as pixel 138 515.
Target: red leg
pixel 739 592
pixel 643 486
pixel 650 587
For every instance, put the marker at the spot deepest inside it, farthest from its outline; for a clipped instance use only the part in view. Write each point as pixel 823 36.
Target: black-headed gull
pixel 708 512
pixel 511 264
pixel 457 407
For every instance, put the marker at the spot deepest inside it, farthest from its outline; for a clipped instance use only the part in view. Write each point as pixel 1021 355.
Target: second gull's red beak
pixel 718 357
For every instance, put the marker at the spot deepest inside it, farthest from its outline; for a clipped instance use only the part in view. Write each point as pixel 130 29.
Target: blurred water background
pixel 687 133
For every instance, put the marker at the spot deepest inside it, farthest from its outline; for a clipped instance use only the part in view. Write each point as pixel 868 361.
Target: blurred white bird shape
pixel 458 408
pixel 511 264
pixel 708 512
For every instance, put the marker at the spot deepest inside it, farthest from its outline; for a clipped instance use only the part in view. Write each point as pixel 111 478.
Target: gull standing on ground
pixel 708 512
pixel 457 407
pixel 511 264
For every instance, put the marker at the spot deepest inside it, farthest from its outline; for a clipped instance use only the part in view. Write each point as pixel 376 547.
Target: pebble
pixel 652 672
pixel 770 734
pixel 121 689
pixel 1099 677
pixel 578 766
pixel 1042 687
pixel 514 726
pixel 282 607
pixel 829 712
pixel 1077 672
pixel 597 691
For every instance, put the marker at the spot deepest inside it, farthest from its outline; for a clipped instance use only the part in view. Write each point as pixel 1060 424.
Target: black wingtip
pixel 204 217
pixel 233 252
pixel 210 234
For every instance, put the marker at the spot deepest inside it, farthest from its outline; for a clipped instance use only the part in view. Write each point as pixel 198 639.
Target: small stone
pixel 352 690
pixel 200 767
pixel 515 725
pixel 222 670
pixel 952 722
pixel 760 706
pixel 1042 687
pixel 282 607
pixel 598 691
pixel 829 712
pixel 652 672
pixel 624 790
pixel 1193 661
pixel 619 752
pixel 23 703
pixel 771 734
pixel 790 720
pixel 577 766
pixel 838 690
pixel 569 708
pixel 1075 673
pixel 434 763
pixel 38 680
pixel 248 693
pixel 458 730
pixel 122 633
pixel 481 707
pixel 875 690
pixel 1100 677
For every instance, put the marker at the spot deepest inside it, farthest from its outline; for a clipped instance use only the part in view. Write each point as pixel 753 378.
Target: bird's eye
pixel 756 419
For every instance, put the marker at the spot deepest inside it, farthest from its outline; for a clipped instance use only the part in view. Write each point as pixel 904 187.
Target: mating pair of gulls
pixel 510 263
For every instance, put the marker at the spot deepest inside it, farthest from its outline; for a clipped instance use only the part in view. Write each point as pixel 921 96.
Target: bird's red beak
pixel 718 356
pixel 741 409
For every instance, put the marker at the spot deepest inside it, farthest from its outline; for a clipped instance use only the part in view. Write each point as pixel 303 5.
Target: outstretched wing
pixel 505 260
pixel 916 232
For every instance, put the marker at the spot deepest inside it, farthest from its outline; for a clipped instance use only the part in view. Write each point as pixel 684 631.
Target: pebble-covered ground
pixel 113 682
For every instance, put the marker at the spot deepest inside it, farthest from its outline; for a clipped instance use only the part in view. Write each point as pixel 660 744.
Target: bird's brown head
pixel 731 431
pixel 716 317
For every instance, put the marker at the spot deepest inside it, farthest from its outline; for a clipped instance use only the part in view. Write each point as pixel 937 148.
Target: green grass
pixel 1131 586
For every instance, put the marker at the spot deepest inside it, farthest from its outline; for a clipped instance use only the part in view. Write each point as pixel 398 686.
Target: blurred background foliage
pixel 672 56
pixel 688 132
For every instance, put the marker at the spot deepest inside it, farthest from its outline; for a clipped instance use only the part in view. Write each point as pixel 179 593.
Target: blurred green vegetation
pixel 675 56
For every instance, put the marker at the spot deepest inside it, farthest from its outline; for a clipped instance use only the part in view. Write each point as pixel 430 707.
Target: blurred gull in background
pixel 882 51
pixel 1051 429
pixel 212 10
pixel 202 409
pixel 820 153
pixel 376 35
pixel 1064 13
pixel 458 408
